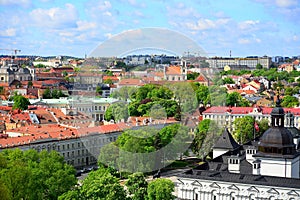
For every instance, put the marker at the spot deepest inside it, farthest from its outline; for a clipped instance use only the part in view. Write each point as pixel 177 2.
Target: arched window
pixel 214 195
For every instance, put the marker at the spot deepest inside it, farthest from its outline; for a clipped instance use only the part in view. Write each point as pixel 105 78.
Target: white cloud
pixel 85 25
pixel 204 24
pixel 249 40
pixel 10 32
pixel 244 41
pixel 103 6
pixel 286 3
pixel 108 35
pixel 107 13
pixel 56 17
pixel 181 10
pixel 66 34
pixel 295 38
pixel 15 2
pixel 248 24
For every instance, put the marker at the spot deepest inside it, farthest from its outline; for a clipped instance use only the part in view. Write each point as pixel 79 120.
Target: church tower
pixel 277 154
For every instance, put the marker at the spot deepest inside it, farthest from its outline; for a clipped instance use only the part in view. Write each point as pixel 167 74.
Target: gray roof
pixel 226 141
pixel 242 178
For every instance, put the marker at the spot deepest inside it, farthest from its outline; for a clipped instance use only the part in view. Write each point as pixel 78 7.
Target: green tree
pixel 65 73
pixel 259 66
pixel 33 175
pixel 289 101
pixel 47 94
pixel 192 76
pixel 29 84
pixel 40 66
pixel 20 102
pixel 161 189
pixel 263 126
pixel 108 81
pixel 137 186
pixel 117 111
pixel 55 94
pixel 235 99
pixel 217 95
pixel 99 90
pixel 202 93
pixel 243 129
pixel 148 95
pixel 108 73
pixel 101 185
pixel 4 192
pixel 206 134
pixel 227 80
pixel 124 93
pixel 184 95
pixel 108 157
pixel 70 195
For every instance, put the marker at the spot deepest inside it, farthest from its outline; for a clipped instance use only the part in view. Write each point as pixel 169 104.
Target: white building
pixel 251 62
pixel 263 169
pixel 225 116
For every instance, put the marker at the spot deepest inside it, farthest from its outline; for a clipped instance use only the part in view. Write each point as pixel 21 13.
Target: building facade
pixel 251 62
pixel 267 168
pixel 225 116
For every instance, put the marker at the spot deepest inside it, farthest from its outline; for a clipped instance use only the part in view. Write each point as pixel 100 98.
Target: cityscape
pixel 156 100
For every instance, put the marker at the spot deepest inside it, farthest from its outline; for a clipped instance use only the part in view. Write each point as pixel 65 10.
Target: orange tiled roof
pixel 113 78
pixel 201 78
pixel 130 82
pixel 173 70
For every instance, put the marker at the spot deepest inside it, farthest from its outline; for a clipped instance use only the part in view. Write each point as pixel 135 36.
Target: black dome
pixel 277 111
pixel 279 137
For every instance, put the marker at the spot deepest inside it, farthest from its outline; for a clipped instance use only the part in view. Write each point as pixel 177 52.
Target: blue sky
pixel 76 28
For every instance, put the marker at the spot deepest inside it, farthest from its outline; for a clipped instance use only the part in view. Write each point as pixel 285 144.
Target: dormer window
pixel 256 165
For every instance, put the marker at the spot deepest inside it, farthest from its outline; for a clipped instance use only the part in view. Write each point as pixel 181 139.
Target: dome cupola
pixel 277 139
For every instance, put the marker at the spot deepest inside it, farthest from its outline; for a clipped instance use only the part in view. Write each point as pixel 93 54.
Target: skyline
pixel 52 27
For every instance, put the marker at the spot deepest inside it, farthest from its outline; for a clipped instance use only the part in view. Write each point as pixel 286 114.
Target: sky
pixel 76 28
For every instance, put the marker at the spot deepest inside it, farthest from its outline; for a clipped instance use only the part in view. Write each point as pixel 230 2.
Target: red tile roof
pixel 201 78
pixel 245 110
pixel 113 78
pixel 173 70
pixel 131 82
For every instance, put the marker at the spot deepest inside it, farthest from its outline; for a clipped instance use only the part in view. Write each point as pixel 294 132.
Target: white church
pixel 267 168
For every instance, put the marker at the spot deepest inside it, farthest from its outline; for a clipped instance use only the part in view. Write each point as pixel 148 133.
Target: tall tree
pixel 4 192
pixel 161 189
pixel 47 94
pixel 137 186
pixel 289 101
pixel 206 134
pixel 33 175
pixel 263 125
pixel 243 129
pixel 101 185
pixel 99 90
pixel 117 111
pixel 235 99
pixel 20 102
